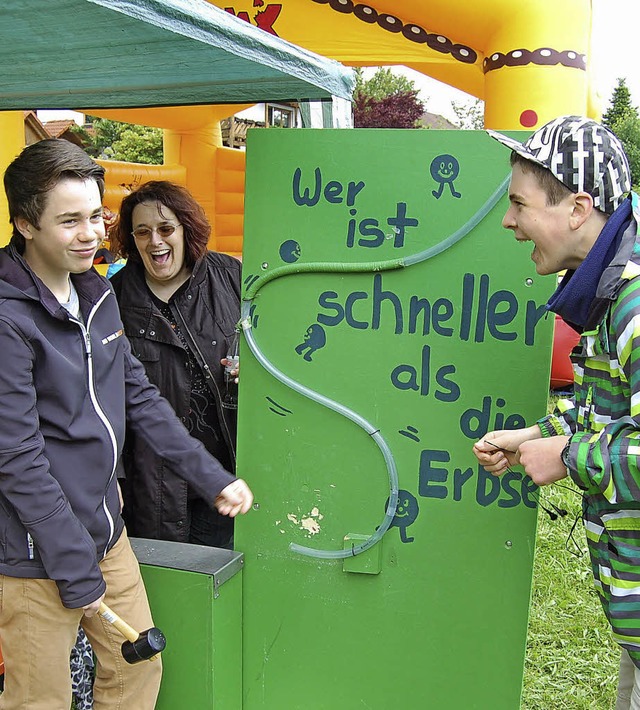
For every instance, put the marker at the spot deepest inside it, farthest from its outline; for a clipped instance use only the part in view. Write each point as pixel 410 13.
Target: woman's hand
pixel 92 609
pixel 234 373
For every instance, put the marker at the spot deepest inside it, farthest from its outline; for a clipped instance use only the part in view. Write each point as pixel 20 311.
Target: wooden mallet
pixel 138 647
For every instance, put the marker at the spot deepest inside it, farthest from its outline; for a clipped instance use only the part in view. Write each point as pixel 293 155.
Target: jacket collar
pixel 133 281
pixel 581 295
pixel 15 271
pixel 624 266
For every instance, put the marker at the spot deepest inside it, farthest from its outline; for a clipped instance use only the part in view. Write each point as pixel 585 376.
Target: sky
pixel 615 36
pixel 615 46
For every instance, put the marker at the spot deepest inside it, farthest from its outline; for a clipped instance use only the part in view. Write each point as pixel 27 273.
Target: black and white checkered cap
pixel 582 154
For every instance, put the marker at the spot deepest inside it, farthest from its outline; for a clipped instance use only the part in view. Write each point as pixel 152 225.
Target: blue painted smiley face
pixel 290 251
pixel 406 513
pixel 444 168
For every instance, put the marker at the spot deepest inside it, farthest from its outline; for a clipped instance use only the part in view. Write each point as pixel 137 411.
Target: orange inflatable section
pixel 565 339
pixel 122 177
pixel 194 157
pixel 229 207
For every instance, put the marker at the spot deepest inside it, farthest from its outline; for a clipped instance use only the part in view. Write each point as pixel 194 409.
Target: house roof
pixel 32 122
pixel 435 120
pixel 120 54
pixel 56 128
pixel 61 129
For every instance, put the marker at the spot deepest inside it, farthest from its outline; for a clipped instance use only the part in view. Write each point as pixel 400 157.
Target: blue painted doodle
pixel 314 339
pixel 406 513
pixel 444 170
pixel 290 251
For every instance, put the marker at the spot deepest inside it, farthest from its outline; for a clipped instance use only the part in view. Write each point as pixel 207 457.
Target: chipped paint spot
pixel 315 513
pixel 278 522
pixel 310 525
pixel 308 522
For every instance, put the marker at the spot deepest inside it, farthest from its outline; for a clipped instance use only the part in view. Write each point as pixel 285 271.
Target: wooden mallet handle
pixel 127 631
pixel 153 639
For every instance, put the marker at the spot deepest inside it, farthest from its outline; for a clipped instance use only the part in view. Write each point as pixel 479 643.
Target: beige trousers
pixel 628 684
pixel 37 634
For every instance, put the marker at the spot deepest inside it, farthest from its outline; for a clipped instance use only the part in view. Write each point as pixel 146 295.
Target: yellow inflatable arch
pixel 527 60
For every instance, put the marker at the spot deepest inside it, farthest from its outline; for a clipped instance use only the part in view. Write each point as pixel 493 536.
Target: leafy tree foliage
pixel 114 140
pixel 139 144
pixel 383 83
pixel 620 105
pixel 401 110
pixel 470 114
pixel 627 129
pixel 622 118
pixel 386 100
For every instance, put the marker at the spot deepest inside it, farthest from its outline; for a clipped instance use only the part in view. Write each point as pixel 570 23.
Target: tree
pixel 383 83
pixel 114 140
pixel 622 119
pixel 469 114
pixel 400 110
pixel 627 129
pixel 386 100
pixel 620 105
pixel 139 144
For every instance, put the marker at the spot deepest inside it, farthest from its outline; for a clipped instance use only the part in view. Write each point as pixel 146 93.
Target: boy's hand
pixel 498 450
pixel 542 460
pixel 92 609
pixel 235 498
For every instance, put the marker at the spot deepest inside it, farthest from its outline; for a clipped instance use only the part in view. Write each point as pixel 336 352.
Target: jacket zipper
pixel 30 546
pixel 588 406
pixel 98 409
pixel 210 379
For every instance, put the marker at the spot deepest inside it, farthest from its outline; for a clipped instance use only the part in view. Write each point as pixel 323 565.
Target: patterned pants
pixel 82 672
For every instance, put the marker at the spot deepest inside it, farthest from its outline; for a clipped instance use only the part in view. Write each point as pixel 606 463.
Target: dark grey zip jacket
pixel 207 311
pixel 67 391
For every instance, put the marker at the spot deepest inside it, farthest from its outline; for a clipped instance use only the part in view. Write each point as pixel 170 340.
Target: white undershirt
pixel 73 304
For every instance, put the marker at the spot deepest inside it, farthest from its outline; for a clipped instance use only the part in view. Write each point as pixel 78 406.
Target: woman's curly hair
pixel 180 201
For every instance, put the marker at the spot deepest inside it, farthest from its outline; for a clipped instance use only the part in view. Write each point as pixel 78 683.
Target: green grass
pixel 571 660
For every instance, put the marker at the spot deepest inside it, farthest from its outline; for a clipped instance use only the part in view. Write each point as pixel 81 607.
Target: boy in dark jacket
pixel 68 386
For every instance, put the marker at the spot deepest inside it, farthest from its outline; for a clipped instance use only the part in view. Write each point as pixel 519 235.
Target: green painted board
pixel 421 360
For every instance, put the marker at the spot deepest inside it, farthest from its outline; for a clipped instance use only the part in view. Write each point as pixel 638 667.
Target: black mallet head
pixel 148 644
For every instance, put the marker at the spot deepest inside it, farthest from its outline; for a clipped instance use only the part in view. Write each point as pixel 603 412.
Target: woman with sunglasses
pixel 180 304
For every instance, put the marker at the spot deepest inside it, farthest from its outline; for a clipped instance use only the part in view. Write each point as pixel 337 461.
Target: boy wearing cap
pixel 568 196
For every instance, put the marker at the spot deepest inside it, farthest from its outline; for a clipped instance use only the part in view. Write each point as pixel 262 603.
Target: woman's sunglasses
pixel 164 230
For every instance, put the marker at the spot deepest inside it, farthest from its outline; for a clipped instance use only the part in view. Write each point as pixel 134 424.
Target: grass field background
pixel 571 661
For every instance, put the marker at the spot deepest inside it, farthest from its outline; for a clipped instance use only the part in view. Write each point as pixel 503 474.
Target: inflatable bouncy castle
pixel 527 61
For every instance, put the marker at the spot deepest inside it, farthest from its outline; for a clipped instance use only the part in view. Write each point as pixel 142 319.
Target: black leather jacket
pixel 207 312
